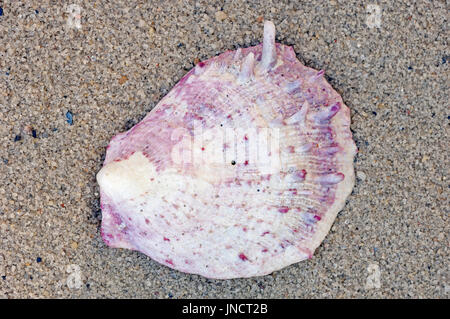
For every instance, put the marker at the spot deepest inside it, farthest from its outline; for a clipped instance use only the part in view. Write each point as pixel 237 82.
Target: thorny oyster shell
pixel 240 170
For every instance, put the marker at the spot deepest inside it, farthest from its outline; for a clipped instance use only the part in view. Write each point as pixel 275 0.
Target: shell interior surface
pixel 240 170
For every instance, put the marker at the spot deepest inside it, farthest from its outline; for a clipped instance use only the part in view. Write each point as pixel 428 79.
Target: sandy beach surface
pixel 75 73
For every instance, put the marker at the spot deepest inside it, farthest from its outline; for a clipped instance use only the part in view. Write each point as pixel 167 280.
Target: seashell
pixel 239 171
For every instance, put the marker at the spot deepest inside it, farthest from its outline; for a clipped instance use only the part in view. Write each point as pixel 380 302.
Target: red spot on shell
pixel 265 250
pixel 291 149
pixel 301 174
pixel 169 261
pixel 316 217
pixel 166 239
pixel 147 221
pixel 203 148
pixel 246 138
pixel 246 163
pixel 283 209
pixel 243 257
pixel 265 233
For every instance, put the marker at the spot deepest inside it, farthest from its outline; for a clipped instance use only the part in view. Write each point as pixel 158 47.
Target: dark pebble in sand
pixel 69 117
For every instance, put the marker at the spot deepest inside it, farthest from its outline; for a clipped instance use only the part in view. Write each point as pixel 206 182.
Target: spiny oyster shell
pixel 239 171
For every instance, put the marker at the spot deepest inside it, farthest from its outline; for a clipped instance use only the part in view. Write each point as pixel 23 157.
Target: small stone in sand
pixel 123 79
pixel 220 16
pixel 361 175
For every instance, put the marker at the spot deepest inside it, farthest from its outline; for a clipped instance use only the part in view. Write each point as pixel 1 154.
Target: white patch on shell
pixel 135 186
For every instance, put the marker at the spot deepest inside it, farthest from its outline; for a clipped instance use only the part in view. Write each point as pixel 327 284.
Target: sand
pixel 65 91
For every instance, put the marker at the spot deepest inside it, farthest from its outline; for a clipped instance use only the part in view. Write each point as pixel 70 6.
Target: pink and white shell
pixel 239 171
